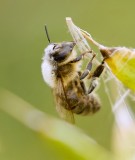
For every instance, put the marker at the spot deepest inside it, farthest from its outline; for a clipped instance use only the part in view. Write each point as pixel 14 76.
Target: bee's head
pixel 59 52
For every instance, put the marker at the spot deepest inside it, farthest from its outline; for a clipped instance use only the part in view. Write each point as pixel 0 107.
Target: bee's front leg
pixel 80 57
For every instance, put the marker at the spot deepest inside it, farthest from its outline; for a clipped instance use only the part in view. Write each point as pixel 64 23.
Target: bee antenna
pixel 46 31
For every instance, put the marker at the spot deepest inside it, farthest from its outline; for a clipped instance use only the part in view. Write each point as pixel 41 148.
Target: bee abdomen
pixel 87 105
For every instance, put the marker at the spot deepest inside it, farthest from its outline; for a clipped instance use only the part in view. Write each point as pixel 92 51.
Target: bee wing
pixel 65 114
pixel 60 98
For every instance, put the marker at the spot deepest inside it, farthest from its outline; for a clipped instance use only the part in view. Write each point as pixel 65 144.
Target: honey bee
pixel 61 70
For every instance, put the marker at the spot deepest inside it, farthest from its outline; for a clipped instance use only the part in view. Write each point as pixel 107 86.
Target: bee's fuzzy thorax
pixel 48 73
pixel 49 67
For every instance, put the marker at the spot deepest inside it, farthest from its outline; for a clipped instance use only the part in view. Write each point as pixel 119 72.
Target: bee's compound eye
pixel 57 46
pixel 54 46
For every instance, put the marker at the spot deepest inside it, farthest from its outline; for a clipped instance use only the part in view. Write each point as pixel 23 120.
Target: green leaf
pixel 121 61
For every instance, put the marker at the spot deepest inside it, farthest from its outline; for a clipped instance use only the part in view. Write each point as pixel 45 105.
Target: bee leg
pixel 88 68
pixel 80 57
pixel 83 87
pixel 82 83
pixel 96 74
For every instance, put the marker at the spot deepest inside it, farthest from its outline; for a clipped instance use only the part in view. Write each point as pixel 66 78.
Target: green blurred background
pixel 22 41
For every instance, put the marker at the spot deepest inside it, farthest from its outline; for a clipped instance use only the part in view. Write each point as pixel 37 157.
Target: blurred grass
pixel 22 41
pixel 74 145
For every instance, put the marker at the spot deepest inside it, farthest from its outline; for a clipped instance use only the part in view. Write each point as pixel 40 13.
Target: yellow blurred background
pixel 22 42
